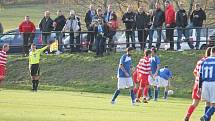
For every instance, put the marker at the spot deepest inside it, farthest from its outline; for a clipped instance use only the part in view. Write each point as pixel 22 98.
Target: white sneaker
pixel 58 52
pixel 180 50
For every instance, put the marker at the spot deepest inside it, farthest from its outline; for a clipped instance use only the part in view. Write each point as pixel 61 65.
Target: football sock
pixel 190 111
pixel 117 92
pixel 132 95
pixel 145 92
pixel 150 92
pixel 209 113
pixel 165 94
pixel 140 91
pixel 33 84
pixel 135 90
pixel 156 93
pixel 206 109
pixel 37 83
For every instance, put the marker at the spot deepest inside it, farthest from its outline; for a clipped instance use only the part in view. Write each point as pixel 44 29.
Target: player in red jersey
pixel 3 61
pixel 143 72
pixel 195 96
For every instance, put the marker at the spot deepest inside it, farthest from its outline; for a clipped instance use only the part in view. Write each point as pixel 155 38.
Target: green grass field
pixel 16 105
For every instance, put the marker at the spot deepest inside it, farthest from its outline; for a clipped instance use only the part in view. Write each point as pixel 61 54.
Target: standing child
pixel 3 61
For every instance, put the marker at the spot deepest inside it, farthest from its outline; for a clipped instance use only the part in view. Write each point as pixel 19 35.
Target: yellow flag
pixel 54 46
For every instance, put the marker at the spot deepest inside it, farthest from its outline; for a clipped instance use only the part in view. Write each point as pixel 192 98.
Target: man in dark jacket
pixel 158 20
pixel 170 23
pixel 181 23
pixel 107 14
pixel 90 15
pixel 142 20
pixel 197 17
pixel 129 21
pixel 46 26
pixel 58 24
pixel 101 31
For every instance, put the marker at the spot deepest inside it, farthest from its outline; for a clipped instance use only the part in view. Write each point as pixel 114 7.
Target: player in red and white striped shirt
pixel 195 96
pixel 3 61
pixel 144 71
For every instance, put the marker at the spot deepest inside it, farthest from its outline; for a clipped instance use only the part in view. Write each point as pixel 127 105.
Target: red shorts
pixel 135 77
pixel 2 72
pixel 195 91
pixel 143 78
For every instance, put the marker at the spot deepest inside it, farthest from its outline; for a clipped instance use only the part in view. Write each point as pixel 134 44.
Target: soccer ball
pixel 170 92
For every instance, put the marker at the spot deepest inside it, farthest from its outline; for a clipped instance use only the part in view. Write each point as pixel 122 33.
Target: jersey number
pixel 208 72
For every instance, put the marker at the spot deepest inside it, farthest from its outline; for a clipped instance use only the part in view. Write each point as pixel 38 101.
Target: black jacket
pixel 61 21
pixel 46 26
pixel 88 18
pixel 159 18
pixel 129 20
pixel 142 20
pixel 181 18
pixel 198 21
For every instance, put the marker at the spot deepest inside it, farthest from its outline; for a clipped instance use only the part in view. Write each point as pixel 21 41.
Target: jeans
pixel 90 37
pixel 182 31
pixel 198 34
pixel 27 41
pixel 59 37
pixel 100 45
pixel 142 36
pixel 151 33
pixel 46 38
pixel 169 36
pixel 130 34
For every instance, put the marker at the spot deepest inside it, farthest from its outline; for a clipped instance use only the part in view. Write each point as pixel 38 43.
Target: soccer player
pixel 144 71
pixel 207 85
pixel 155 66
pixel 124 76
pixel 196 98
pixel 3 61
pixel 163 79
pixel 34 68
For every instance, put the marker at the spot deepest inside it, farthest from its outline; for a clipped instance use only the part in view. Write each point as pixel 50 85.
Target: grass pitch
pixel 16 105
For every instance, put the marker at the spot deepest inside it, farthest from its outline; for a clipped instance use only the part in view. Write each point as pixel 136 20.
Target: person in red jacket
pixel 170 23
pixel 27 29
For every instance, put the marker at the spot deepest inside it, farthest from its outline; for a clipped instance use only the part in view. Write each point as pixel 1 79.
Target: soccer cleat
pixel 113 102
pixel 186 119
pixel 202 118
pixel 133 104
pixel 155 99
pixel 138 101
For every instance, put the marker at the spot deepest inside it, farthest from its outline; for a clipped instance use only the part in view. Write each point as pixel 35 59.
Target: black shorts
pixel 34 69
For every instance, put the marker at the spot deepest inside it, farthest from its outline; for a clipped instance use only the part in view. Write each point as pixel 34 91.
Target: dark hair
pixel 33 44
pixel 114 16
pixel 129 49
pixel 154 49
pixel 147 52
pixel 167 1
pixel 166 66
pixel 213 49
pixel 208 51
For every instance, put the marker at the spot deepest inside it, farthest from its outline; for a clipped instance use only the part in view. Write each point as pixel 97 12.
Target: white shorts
pixel 208 91
pixel 153 82
pixel 162 82
pixel 124 83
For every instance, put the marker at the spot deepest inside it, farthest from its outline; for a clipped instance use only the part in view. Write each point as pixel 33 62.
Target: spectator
pixel 158 20
pixel 58 24
pixel 142 21
pixel 197 17
pixel 1 28
pixel 181 23
pixel 27 29
pixel 91 13
pixel 129 21
pixel 46 26
pixel 113 26
pixel 101 31
pixel 170 23
pixel 108 13
pixel 73 25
